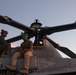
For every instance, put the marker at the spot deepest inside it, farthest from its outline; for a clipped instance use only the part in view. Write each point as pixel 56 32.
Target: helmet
pixel 24 35
pixel 4 31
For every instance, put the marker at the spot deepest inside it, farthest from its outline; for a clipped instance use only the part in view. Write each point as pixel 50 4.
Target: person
pixel 26 50
pixel 3 44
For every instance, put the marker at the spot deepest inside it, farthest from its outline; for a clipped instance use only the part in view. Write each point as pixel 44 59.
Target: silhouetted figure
pixel 3 44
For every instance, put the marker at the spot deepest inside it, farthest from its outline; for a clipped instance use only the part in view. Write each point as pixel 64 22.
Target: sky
pixel 49 12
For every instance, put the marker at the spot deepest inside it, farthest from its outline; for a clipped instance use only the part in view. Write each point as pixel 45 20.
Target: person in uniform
pixel 3 44
pixel 26 50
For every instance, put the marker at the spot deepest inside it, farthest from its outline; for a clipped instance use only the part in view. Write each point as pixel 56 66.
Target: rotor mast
pixel 36 25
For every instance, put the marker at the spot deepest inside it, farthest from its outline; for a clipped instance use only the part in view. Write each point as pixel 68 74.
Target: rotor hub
pixel 36 24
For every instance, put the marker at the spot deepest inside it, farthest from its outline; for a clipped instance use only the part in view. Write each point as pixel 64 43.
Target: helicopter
pixel 47 59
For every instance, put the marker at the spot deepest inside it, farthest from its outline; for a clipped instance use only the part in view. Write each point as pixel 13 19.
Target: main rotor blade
pixel 50 30
pixel 62 49
pixel 14 39
pixel 9 21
